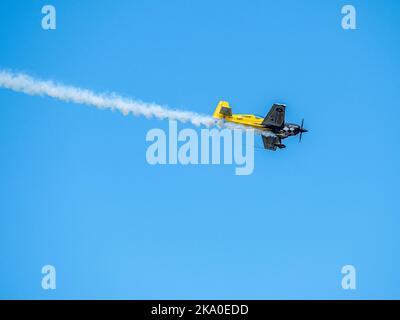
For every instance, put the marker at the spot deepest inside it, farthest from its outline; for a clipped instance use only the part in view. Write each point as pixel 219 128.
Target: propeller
pixel 302 130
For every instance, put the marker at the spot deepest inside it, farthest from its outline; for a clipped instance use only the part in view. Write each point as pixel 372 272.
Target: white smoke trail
pixel 24 83
pixel 21 82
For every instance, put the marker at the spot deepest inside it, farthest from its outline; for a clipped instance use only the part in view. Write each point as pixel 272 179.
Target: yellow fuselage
pixel 249 120
pixel 224 112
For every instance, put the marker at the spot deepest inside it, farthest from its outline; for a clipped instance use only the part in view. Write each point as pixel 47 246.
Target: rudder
pixel 223 110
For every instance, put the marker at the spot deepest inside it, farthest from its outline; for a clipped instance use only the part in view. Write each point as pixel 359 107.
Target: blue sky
pixel 76 191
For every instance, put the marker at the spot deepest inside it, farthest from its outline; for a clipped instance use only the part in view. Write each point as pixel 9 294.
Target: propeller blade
pixel 301 130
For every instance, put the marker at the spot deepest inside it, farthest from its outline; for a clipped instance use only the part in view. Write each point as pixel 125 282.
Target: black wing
pixel 271 143
pixel 275 116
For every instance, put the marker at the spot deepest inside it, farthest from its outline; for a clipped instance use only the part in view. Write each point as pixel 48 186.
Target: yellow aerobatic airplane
pixel 273 124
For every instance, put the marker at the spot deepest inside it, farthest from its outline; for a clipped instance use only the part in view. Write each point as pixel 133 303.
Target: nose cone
pixel 303 130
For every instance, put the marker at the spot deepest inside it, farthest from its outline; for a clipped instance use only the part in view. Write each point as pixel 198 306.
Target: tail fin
pixel 223 110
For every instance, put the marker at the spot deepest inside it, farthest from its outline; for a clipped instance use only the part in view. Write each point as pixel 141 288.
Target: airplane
pixel 273 126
